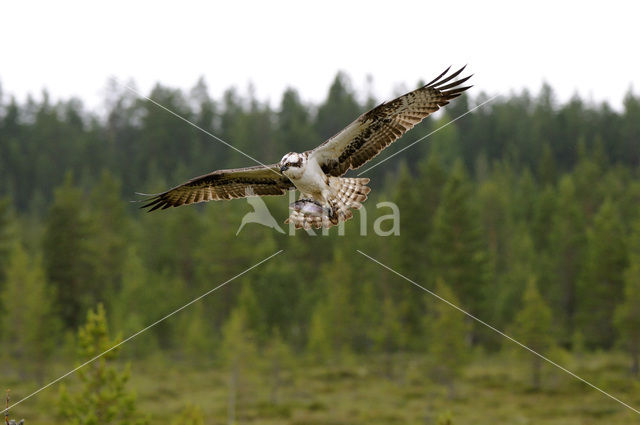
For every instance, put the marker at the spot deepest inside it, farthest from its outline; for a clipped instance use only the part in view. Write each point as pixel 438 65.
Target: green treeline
pixel 525 213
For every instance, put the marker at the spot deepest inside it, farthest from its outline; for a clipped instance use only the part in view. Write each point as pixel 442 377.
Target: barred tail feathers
pixel 347 193
pixel 350 191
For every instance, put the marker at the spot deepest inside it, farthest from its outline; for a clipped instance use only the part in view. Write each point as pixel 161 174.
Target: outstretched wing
pixel 373 131
pixel 223 184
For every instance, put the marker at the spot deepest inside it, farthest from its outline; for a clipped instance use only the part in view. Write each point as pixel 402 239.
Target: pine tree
pixel 131 305
pixel 196 337
pixel 446 142
pixel 280 359
pixel 238 352
pixel 388 334
pixel 543 214
pixel 103 398
pixel 109 226
pixel 457 247
pixel 66 261
pixel 493 204
pixel 533 327
pixel 566 252
pixel 522 262
pixel 547 167
pixel 29 325
pixel 410 246
pixel 601 284
pixel 627 313
pixel 331 333
pixel 447 332
pixel 319 345
pixel 295 132
pixel 6 234
pixel 339 109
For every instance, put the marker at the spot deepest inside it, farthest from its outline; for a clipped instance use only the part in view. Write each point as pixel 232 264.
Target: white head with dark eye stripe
pixel 292 164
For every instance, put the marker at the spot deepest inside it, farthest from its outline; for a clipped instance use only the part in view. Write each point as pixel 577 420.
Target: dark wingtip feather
pixel 456 91
pixel 154 203
pixel 438 77
pixel 454 84
pixel 438 85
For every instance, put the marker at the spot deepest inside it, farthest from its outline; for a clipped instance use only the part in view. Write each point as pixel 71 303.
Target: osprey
pixel 326 197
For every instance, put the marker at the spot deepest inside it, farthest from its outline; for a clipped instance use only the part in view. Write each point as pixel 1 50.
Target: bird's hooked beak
pixel 284 168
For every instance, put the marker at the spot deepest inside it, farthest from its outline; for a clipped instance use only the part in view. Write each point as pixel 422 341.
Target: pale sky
pixel 73 47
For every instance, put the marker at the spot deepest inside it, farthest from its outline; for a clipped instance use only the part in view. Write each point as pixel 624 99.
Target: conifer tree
pixel 627 313
pixel 66 260
pixel 544 210
pixel 339 109
pixel 319 343
pixel 457 247
pixel 238 353
pixel 331 331
pixel 601 284
pixel 533 327
pixel 388 334
pixel 197 340
pixel 410 247
pixel 280 359
pixel 6 235
pixel 103 398
pixel 295 132
pixel 522 261
pixel 447 332
pixel 28 323
pixel 566 252
pixel 493 209
pixel 446 142
pixel 130 304
pixel 547 167
pixel 109 226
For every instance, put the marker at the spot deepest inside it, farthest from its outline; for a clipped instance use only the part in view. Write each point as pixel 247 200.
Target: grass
pixel 493 389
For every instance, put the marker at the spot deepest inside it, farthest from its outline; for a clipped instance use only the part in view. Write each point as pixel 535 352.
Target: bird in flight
pixel 326 197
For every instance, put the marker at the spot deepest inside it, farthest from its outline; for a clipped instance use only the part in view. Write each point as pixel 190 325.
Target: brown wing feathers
pixel 358 143
pixel 222 184
pixel 389 121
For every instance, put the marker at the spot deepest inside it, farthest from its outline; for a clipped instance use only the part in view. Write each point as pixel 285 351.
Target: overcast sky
pixel 72 48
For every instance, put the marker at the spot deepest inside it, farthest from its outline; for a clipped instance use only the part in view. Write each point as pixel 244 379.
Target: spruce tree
pixel 66 257
pixel 280 359
pixel 447 331
pixel 566 255
pixel 388 333
pixel 238 354
pixel 457 247
pixel 627 313
pixel 103 398
pixel 319 344
pixel 334 314
pixel 29 325
pixel 601 283
pixel 109 227
pixel 533 327
pixel 6 235
pixel 339 109
pixel 295 132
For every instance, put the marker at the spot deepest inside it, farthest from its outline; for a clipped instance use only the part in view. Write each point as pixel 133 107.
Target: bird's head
pixel 292 164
